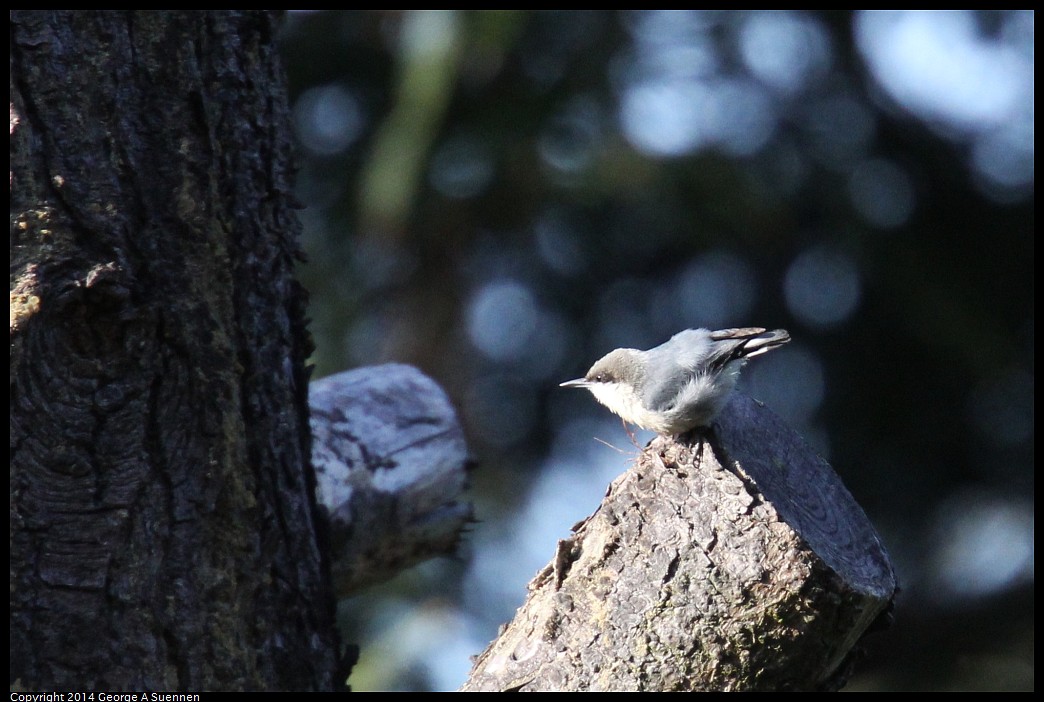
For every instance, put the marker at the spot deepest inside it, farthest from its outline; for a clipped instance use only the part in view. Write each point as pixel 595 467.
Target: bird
pixel 681 384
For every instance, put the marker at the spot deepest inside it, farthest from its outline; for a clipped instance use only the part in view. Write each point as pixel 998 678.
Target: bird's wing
pixel 673 364
pixel 699 349
pixel 662 391
pixel 695 352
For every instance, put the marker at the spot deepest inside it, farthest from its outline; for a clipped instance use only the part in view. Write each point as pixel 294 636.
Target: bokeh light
pixel 501 197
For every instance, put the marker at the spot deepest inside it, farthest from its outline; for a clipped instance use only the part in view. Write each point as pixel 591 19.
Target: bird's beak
pixel 578 383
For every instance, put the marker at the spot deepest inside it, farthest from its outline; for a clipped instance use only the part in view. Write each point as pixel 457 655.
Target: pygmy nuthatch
pixel 680 384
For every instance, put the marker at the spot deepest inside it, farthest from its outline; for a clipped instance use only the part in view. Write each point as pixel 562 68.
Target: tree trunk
pixel 164 532
pixel 732 561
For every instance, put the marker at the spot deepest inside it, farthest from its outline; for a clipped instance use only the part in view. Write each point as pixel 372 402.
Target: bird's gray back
pixel 685 355
pixel 672 364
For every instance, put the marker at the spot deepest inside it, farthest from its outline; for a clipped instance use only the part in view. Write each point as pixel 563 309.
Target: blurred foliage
pixel 500 197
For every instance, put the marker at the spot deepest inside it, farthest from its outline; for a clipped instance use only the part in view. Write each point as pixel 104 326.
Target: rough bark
pixel 163 522
pixel 732 560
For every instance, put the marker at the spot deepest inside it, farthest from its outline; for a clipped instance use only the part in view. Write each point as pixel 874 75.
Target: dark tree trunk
pixel 163 519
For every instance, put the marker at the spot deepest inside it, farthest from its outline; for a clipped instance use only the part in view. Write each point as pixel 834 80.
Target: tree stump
pixel 729 559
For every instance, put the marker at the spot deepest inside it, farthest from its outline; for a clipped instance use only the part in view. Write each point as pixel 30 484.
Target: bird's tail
pixel 758 340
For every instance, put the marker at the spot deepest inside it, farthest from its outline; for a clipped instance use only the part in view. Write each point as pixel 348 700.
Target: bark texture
pixel 732 560
pixel 163 520
pixel 392 467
